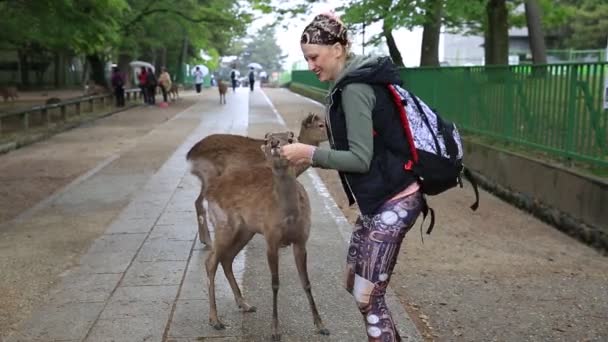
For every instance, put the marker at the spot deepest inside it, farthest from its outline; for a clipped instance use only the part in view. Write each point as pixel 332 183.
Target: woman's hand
pixel 298 153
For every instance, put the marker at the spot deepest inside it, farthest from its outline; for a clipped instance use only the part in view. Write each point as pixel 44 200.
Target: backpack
pixel 232 75
pixel 436 148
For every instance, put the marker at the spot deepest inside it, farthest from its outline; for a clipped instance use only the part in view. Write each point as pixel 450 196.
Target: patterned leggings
pixel 372 255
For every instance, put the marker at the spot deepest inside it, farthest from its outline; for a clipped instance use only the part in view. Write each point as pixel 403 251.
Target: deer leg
pixel 240 242
pixel 201 215
pixel 273 262
pixel 211 266
pixel 299 253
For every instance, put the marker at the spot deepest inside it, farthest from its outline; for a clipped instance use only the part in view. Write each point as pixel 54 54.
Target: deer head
pixel 272 148
pixel 313 130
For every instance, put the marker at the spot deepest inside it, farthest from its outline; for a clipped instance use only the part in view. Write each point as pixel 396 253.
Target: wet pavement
pixel 144 278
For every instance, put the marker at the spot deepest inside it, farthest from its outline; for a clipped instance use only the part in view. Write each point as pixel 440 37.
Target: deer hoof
pixel 248 308
pixel 276 337
pixel 323 331
pixel 218 325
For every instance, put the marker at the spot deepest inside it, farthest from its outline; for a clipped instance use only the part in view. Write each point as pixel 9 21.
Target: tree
pixel 262 48
pixel 163 31
pixel 585 25
pixel 535 32
pixel 392 14
pixel 429 55
pixel 497 33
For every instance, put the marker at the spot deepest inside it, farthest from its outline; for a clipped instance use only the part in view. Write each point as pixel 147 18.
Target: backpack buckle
pixel 408 166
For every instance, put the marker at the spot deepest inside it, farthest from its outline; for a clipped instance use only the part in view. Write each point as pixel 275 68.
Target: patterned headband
pixel 324 30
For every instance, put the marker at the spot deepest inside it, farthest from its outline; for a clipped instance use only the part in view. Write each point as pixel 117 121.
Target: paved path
pixel 144 280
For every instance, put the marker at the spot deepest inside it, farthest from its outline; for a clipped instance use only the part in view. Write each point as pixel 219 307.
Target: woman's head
pixel 324 44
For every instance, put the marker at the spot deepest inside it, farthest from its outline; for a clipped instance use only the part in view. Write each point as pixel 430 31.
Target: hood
pixel 370 70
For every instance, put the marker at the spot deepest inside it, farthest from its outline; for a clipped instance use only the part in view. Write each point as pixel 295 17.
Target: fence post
pixel 78 108
pixel 26 121
pixel 46 117
pixel 92 105
pixel 64 116
pixel 571 129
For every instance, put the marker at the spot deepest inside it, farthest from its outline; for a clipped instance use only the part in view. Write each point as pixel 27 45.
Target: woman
pixel 369 150
pixel 164 80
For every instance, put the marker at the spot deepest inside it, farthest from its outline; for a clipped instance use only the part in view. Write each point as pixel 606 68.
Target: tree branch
pixel 145 13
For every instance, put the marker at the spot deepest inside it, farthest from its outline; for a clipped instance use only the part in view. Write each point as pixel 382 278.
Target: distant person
pixel 151 84
pixel 118 83
pixel 251 78
pixel 164 81
pixel 198 79
pixel 233 79
pixel 143 78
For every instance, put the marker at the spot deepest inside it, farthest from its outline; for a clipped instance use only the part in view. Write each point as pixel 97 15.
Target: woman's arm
pixel 358 101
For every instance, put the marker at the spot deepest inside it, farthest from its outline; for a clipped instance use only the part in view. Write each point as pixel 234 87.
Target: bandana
pixel 324 30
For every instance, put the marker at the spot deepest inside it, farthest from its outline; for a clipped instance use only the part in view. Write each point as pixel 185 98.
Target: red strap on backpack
pixel 405 124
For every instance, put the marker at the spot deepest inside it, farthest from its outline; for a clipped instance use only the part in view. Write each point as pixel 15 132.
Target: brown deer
pixel 263 199
pixel 223 88
pixel 212 155
pixel 9 93
pixel 174 91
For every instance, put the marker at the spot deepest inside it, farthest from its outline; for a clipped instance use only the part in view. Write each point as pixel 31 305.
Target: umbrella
pixel 139 64
pixel 254 65
pixel 203 68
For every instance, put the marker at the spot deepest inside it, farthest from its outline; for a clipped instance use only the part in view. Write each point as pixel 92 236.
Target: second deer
pixel 216 153
pixel 222 88
pixel 265 200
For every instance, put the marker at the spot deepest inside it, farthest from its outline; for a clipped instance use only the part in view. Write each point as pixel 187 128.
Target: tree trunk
pixel 392 46
pixel 124 67
pixel 429 55
pixel 163 57
pixel 535 32
pixel 98 74
pixel 497 33
pixel 60 61
pixel 182 61
pixel 24 67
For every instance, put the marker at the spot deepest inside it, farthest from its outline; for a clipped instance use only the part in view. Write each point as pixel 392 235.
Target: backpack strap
pixel 467 174
pixel 426 122
pixel 425 212
pixel 399 102
pixel 451 147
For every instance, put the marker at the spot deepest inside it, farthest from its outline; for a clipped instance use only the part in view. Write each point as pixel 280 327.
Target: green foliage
pixel 80 26
pixel 586 24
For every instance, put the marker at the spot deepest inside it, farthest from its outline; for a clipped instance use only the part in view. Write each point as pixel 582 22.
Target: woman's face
pixel 323 60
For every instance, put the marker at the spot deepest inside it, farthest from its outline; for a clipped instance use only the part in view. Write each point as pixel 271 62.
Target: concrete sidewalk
pixel 144 279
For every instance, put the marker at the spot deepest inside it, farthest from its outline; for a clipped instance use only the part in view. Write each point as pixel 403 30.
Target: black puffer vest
pixel 386 176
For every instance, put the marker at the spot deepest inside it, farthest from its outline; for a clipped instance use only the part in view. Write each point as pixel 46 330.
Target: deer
pixel 263 199
pixel 223 88
pixel 214 154
pixel 174 91
pixel 9 93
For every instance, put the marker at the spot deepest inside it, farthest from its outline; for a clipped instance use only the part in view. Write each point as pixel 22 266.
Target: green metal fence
pixel 556 108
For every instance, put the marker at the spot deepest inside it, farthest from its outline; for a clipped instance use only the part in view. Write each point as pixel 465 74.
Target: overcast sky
pixel 289 39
